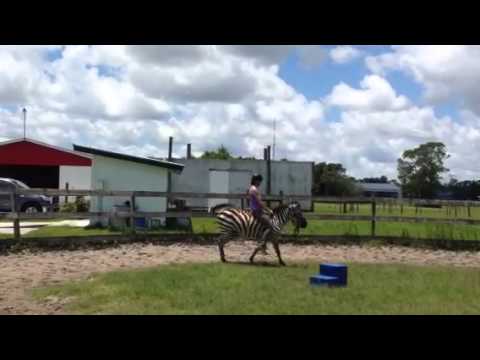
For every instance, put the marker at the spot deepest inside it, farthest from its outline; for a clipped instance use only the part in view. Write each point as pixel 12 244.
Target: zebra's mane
pixel 280 208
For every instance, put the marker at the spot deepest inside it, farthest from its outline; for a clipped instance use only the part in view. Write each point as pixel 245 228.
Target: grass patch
pixel 241 289
pixel 204 225
pixel 395 229
pixel 60 231
pixel 396 210
pixel 36 221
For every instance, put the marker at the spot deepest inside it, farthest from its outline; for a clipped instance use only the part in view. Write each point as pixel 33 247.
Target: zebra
pixel 237 223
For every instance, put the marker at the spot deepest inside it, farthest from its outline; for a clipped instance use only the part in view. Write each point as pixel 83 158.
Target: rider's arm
pixel 260 201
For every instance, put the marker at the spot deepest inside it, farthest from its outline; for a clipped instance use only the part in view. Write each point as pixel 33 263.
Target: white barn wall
pixel 77 177
pixel 114 174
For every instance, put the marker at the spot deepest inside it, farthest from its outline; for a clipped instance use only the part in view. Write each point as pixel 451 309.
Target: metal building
pixel 380 190
pixel 233 177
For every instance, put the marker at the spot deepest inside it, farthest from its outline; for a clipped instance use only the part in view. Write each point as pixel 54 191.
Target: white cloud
pixel 344 54
pixel 368 143
pixel 445 72
pixel 169 55
pixel 376 94
pixel 201 82
pixel 262 54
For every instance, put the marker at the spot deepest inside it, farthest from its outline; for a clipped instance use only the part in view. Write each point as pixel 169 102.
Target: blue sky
pixel 317 82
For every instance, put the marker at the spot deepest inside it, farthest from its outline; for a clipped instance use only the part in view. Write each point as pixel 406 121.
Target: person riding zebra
pixel 259 209
pixel 256 222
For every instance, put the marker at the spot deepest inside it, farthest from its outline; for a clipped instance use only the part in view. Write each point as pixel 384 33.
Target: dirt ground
pixel 19 273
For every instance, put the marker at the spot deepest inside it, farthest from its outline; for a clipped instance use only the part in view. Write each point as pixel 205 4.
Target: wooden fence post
pixel 132 210
pixel 100 202
pixel 374 214
pixel 269 174
pixel 66 188
pixel 16 221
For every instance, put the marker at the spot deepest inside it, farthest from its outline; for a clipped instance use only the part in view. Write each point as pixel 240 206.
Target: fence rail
pixel 292 197
pixel 17 216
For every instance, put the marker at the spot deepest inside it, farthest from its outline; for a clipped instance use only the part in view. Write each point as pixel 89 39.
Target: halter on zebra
pixel 237 223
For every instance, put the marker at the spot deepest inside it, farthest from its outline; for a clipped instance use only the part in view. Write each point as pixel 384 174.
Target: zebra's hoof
pixel 282 263
pixel 223 260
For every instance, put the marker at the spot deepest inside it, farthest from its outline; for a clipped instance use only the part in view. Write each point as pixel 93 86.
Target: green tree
pixel 221 153
pixel 463 190
pixel 420 169
pixel 331 179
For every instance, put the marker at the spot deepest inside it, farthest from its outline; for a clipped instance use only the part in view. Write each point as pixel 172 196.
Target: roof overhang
pixel 171 166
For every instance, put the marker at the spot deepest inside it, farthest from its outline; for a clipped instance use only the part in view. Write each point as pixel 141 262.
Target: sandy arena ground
pixel 21 272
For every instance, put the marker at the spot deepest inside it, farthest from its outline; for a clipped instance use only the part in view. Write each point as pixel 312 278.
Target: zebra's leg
pixel 267 222
pixel 221 243
pixel 257 249
pixel 262 246
pixel 277 250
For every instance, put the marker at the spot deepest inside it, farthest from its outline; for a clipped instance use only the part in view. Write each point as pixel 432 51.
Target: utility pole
pixel 169 175
pixel 24 123
pixel 274 137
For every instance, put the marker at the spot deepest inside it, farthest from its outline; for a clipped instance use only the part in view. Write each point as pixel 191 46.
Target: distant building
pixel 445 195
pixel 380 190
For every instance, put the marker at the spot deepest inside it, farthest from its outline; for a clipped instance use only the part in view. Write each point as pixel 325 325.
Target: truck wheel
pixel 31 208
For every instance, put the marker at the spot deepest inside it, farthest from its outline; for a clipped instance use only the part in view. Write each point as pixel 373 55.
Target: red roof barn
pixel 41 165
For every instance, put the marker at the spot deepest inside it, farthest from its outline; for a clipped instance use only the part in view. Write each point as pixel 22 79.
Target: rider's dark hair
pixel 256 179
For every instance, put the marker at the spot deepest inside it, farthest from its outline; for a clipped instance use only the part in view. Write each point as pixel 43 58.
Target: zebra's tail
pixel 217 208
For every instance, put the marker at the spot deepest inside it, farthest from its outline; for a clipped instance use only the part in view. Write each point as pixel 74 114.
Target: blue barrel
pixel 140 222
pixel 339 271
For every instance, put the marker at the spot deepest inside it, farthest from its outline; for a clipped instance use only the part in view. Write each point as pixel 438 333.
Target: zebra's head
pixel 296 214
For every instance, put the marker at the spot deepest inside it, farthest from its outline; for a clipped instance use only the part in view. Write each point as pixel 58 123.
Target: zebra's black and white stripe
pixel 241 224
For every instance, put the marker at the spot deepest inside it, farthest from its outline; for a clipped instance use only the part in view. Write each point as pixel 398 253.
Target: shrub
pixel 80 205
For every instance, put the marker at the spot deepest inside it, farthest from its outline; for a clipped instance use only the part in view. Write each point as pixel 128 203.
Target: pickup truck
pixel 25 203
